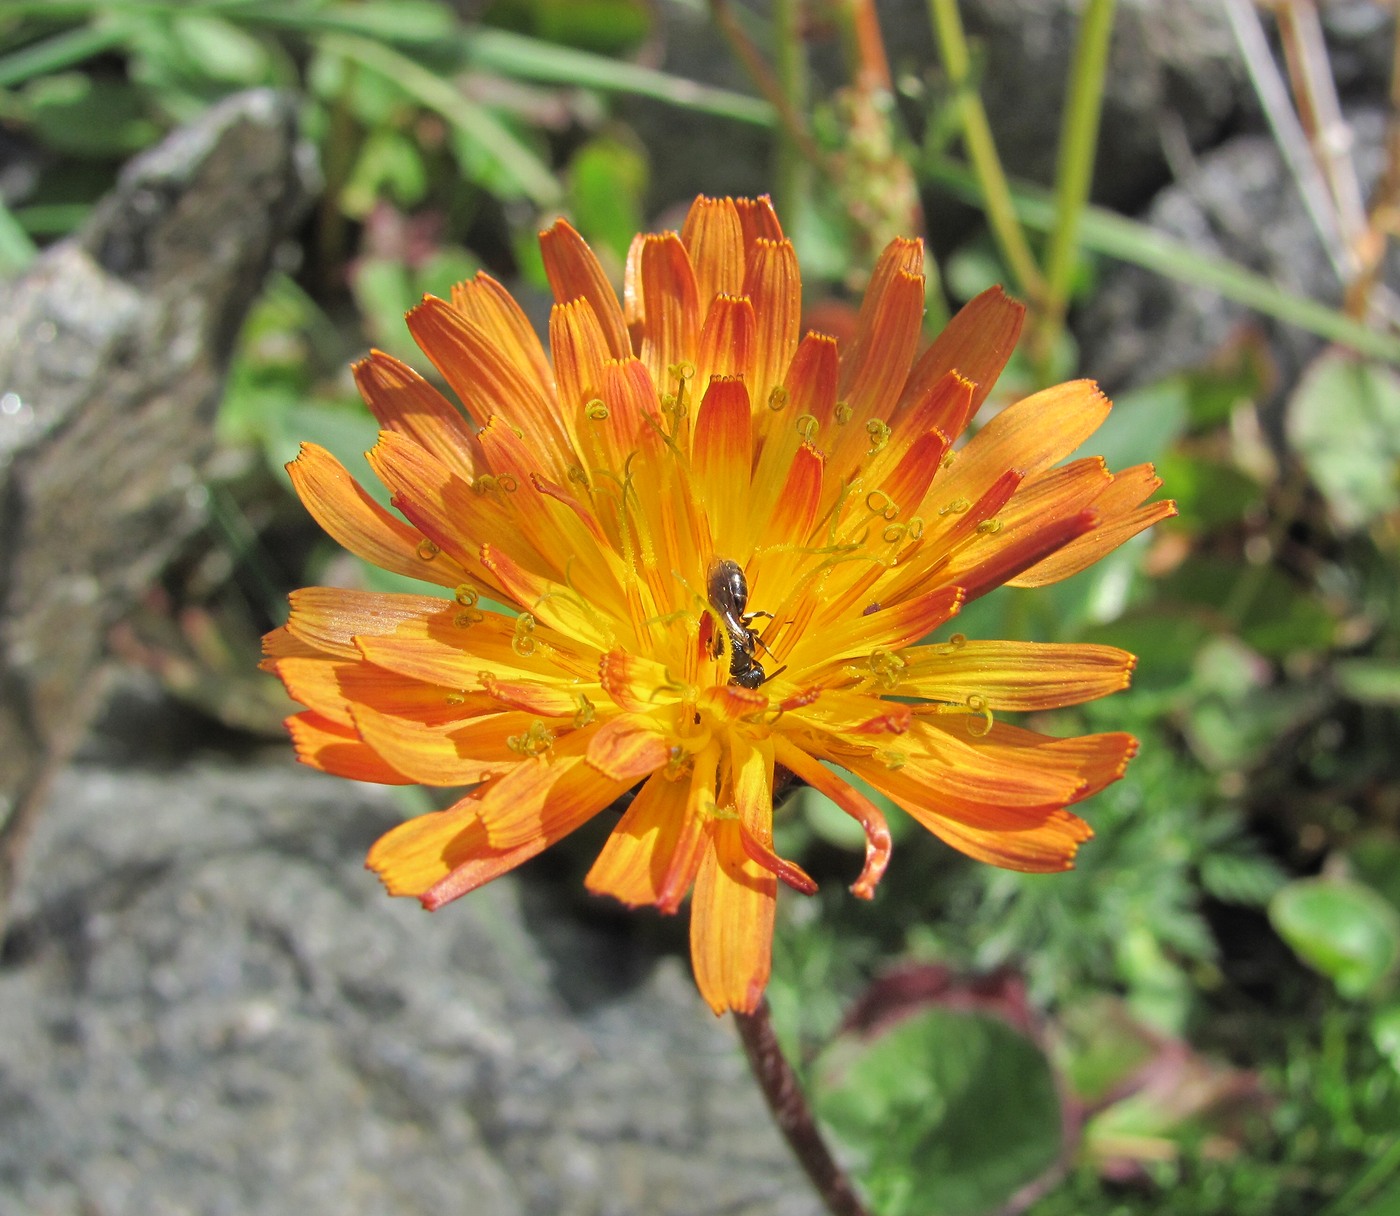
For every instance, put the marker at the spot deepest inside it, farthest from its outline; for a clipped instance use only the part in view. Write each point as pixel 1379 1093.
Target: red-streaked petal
pixel 878 844
pixel 976 343
pixel 404 402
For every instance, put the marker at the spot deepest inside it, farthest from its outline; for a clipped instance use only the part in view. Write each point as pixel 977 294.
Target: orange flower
pixel 697 550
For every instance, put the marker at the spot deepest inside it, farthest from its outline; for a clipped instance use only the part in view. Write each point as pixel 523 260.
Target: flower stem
pixel 793 1116
pixel 982 151
pixel 1079 133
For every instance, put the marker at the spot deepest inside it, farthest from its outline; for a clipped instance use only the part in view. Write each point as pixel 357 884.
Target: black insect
pixel 728 590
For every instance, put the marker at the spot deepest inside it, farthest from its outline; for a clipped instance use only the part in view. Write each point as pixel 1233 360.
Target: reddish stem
pixel 785 1098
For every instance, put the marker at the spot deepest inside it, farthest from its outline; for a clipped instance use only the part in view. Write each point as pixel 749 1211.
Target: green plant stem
pixel 791 170
pixel 1131 241
pixel 791 121
pixel 530 174
pixel 1074 171
pixel 982 152
pixel 61 51
pixel 792 1114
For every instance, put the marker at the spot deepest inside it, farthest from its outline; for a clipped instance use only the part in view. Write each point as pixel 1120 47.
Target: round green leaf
pixel 1344 422
pixel 1344 929
pixel 945 1114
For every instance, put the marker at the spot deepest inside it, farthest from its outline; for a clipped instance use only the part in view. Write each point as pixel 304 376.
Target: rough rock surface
pixel 1238 202
pixel 113 349
pixel 208 1006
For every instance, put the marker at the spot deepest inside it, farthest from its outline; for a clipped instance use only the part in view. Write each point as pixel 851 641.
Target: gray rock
pixel 208 1006
pixel 1239 203
pixel 113 349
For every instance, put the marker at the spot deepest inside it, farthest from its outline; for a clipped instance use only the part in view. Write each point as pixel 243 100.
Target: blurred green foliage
pixel 1211 1021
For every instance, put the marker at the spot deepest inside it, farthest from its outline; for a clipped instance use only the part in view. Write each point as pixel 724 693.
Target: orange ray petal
pixel 714 238
pixel 751 781
pixel 638 854
pixel 580 352
pixel 1015 675
pixel 331 687
pixel 722 449
pixel 488 382
pixel 351 518
pixel 1031 435
pixel 731 922
pixel 484 302
pixel 1032 839
pixel 798 504
pixel 404 402
pixel 1122 519
pixel 452 753
pixel 453 515
pixel 628 747
pixel 670 307
pixel 888 628
pixel 329 618
pixel 773 282
pixel 976 343
pixel 455 649
pixel 759 220
pixel 576 274
pixel 728 340
pixel 887 333
pixel 556 786
pixel 338 750
pixel 1000 564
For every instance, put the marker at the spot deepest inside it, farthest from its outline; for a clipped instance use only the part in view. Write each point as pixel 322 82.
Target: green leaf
pixel 1343 929
pixel 607 186
pixel 947 1113
pixel 1344 423
pixel 1269 610
pixel 596 25
pixel 74 114
pixel 531 59
pixel 1385 1033
pixel 389 165
pixel 16 249
pixel 1370 681
pixel 1210 494
pixel 1144 423
pixel 221 51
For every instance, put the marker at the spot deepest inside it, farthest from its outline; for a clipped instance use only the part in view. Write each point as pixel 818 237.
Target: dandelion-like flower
pixel 693 553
